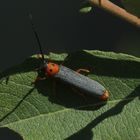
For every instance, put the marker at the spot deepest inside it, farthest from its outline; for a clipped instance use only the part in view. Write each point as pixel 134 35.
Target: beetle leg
pixel 37 69
pixel 7 79
pixel 38 79
pixel 54 88
pixel 82 70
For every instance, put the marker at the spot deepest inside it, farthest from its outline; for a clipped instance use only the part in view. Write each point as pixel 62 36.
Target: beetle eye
pixel 50 70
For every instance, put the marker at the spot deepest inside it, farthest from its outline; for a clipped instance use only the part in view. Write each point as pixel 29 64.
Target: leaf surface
pixel 34 112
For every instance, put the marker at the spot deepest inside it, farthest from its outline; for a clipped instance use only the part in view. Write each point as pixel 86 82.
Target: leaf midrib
pixel 68 109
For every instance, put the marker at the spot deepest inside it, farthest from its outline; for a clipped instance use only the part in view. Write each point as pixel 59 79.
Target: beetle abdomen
pixel 80 81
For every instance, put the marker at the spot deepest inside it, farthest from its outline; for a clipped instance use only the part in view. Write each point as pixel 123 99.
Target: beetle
pixel 69 76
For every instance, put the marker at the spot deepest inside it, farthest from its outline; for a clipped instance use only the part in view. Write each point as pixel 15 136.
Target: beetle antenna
pixel 37 37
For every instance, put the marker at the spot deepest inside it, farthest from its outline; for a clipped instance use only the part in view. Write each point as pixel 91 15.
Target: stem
pixel 116 10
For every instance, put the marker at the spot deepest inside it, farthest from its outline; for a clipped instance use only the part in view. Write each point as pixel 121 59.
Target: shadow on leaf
pixel 63 93
pixel 8 134
pixel 101 66
pixel 82 59
pixel 28 65
pixel 86 132
pixel 17 105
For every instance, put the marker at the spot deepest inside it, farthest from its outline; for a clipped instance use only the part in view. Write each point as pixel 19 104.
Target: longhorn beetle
pixel 74 78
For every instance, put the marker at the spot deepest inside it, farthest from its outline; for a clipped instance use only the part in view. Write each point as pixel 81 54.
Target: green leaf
pixel 133 6
pixel 85 9
pixel 34 112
